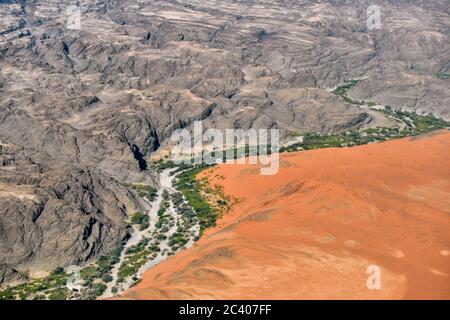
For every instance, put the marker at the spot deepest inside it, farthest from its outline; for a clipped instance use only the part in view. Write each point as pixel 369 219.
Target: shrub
pixel 137 217
pixel 58 270
pixel 107 278
pixel 58 294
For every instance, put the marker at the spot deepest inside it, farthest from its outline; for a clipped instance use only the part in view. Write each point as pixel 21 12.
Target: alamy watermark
pixel 374 17
pixel 238 146
pixel 74 282
pixel 73 17
pixel 70 12
pixel 374 280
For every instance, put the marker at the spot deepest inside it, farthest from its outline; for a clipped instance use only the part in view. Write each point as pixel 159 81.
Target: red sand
pixel 311 231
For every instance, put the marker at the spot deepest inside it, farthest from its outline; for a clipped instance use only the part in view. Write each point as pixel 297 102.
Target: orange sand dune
pixel 311 231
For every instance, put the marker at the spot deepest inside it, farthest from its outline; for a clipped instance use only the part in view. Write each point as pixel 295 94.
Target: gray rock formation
pixel 56 214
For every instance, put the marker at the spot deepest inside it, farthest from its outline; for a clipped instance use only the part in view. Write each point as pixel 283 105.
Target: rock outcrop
pixel 53 213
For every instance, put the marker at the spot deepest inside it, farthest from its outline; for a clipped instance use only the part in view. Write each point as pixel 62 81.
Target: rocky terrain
pixel 313 230
pixel 81 110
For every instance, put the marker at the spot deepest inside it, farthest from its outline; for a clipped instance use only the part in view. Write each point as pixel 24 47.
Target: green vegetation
pixel 296 133
pixel 347 139
pixel 178 239
pixel 58 270
pixel 58 294
pixel 344 89
pixel 413 124
pixel 163 216
pixel 417 123
pixel 161 165
pixel 144 191
pixel 95 276
pixel 136 257
pixel 236 153
pixel 140 219
pixel 146 250
pixel 191 190
pixel 107 278
pixel 186 213
pixel 52 287
pixel 173 231
pixel 443 76
pixel 187 219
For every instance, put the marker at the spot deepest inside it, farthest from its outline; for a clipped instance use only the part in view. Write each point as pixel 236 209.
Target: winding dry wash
pixel 311 231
